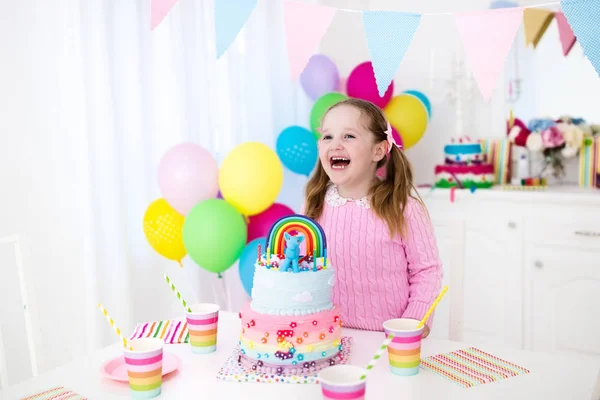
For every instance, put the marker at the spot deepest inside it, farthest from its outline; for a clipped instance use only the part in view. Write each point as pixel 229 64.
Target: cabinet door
pixel 562 299
pixel 492 280
pixel 446 320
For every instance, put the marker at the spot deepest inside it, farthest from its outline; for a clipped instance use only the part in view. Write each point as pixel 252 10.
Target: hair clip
pixel 390 138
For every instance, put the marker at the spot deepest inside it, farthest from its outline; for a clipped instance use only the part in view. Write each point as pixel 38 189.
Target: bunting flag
pixel 535 22
pixel 487 37
pixel 305 26
pixel 583 16
pixel 382 29
pixel 159 10
pixel 230 17
pixel 567 37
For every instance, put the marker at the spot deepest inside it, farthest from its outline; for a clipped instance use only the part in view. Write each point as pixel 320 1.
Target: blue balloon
pixel 423 99
pixel 297 149
pixel 247 261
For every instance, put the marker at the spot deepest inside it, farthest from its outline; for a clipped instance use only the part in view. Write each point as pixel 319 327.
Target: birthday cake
pixel 464 166
pixel 291 327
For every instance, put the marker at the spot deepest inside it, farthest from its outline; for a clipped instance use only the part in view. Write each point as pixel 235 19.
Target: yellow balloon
pixel 250 178
pixel 163 227
pixel 408 115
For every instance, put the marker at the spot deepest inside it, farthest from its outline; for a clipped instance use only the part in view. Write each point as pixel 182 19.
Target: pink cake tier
pixel 480 176
pixel 297 344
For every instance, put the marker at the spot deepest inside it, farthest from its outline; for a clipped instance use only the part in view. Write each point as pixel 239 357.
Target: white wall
pixel 38 199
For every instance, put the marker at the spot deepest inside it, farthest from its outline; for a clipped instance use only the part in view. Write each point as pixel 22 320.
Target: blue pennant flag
pixel 584 19
pixel 388 36
pixel 230 17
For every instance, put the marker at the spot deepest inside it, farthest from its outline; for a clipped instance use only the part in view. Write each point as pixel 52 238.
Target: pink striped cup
pixel 202 326
pixel 144 367
pixel 342 382
pixel 404 352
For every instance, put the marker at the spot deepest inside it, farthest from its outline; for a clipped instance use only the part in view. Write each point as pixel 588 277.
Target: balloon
pixel 320 108
pixel 408 115
pixel 251 177
pixel 187 174
pixel 297 149
pixel 362 85
pixel 163 229
pixel 397 137
pixel 423 99
pixel 219 195
pixel 260 224
pixel 319 77
pixel 214 234
pixel 247 261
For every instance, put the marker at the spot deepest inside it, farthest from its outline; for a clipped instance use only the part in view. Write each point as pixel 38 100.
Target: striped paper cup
pixel 144 367
pixel 202 326
pixel 343 382
pixel 404 352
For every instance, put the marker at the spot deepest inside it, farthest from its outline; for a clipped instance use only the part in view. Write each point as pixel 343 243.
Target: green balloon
pixel 214 235
pixel 321 106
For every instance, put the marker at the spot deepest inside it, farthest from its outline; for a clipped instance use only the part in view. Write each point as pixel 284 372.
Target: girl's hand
pixel 425 332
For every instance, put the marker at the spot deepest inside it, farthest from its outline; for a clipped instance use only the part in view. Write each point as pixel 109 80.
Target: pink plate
pixel 117 370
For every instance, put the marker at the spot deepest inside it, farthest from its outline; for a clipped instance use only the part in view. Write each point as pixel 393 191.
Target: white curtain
pixel 109 98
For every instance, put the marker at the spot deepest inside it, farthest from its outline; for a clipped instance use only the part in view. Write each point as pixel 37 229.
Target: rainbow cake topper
pixel 301 225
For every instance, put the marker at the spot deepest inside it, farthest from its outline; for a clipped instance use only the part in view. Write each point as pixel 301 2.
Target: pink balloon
pixel 361 84
pixel 260 224
pixel 397 138
pixel 188 174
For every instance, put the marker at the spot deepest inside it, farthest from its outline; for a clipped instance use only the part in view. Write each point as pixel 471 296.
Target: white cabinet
pixel 491 282
pixel 562 291
pixel 523 268
pixel 446 324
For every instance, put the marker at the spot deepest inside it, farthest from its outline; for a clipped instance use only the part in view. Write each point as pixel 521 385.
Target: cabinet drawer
pixel 582 230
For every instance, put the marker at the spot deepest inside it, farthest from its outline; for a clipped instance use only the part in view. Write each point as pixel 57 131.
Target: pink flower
pixel 552 138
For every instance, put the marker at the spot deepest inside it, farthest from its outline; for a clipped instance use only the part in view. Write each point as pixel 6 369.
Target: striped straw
pixel 435 303
pixel 377 355
pixel 183 302
pixel 112 323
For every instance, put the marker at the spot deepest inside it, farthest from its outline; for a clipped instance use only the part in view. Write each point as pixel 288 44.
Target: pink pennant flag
pixel 305 26
pixel 567 37
pixel 159 10
pixel 487 37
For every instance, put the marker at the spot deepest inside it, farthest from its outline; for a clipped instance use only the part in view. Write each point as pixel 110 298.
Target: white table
pixel 551 377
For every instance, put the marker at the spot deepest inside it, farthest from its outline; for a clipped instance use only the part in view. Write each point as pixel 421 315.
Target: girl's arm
pixel 424 266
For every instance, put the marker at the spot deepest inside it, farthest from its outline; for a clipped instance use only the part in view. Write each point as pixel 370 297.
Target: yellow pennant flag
pixel 535 22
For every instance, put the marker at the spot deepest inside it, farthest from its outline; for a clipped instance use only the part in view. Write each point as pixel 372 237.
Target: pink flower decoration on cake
pixel 315 323
pixel 293 325
pixel 552 137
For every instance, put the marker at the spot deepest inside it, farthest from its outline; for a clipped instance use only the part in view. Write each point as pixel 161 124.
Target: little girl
pixel 381 241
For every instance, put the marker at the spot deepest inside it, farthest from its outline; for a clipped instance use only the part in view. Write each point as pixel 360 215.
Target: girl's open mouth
pixel 339 162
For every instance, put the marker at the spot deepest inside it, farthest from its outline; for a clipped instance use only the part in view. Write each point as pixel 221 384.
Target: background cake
pixel 464 166
pixel 291 326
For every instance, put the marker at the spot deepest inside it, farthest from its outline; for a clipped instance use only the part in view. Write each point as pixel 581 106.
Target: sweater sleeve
pixel 425 271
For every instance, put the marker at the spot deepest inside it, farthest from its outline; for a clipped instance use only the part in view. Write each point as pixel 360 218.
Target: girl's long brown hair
pixel 388 197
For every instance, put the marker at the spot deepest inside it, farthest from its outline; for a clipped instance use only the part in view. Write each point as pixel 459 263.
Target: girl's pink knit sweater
pixel 377 277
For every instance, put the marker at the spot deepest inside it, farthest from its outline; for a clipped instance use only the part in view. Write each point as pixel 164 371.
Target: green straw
pixel 377 355
pixel 183 302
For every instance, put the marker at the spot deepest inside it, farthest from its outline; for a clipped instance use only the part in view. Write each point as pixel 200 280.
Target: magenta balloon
pixel 320 76
pixel 361 84
pixel 187 174
pixel 260 224
pixel 397 138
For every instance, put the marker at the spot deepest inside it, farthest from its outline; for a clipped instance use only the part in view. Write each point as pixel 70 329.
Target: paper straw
pixel 444 290
pixel 112 323
pixel 183 302
pixel 377 355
